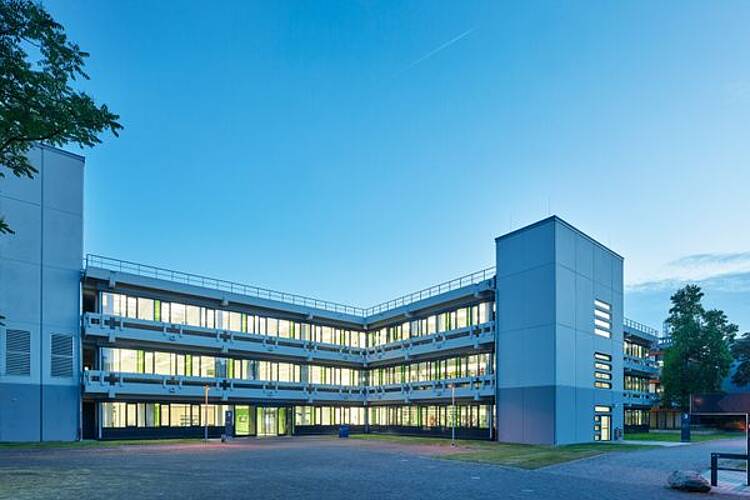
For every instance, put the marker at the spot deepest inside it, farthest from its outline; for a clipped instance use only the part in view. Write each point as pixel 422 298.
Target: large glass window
pixel 467 416
pixel 118 415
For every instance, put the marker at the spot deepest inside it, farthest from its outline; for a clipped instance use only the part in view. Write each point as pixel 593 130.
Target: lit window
pixel 602 305
pixel 602 356
pixel 602 371
pixel 602 319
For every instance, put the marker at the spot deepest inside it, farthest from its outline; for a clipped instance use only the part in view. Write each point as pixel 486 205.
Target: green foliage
pixel 741 354
pixel 37 65
pixel 699 357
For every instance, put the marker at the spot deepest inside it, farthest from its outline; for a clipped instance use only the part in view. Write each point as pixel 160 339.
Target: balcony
pixel 640 398
pixel 140 334
pixel 474 388
pixel 479 338
pixel 640 365
pixel 144 334
pixel 136 386
pixel 639 330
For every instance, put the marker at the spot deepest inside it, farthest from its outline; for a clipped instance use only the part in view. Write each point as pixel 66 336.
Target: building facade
pixel 529 351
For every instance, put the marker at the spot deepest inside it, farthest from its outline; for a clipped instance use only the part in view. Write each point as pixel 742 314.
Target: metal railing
pixel 640 396
pixel 730 456
pixel 469 279
pixel 641 327
pixel 217 284
pixel 642 363
pixel 148 271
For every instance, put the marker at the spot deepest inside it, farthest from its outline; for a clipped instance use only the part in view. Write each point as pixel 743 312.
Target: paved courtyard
pixel 331 468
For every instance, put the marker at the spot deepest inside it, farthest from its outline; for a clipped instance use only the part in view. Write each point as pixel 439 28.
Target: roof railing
pixel 145 270
pixel 469 279
pixel 641 327
pixel 217 284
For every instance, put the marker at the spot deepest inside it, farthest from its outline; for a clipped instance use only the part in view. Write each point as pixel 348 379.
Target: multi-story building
pixel 641 373
pixel 529 351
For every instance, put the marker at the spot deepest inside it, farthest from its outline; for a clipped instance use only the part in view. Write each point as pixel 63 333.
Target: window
pixel 118 415
pixel 193 315
pixel 178 313
pixel 602 370
pixel 466 416
pixel 146 309
pixel 602 319
pixel 634 383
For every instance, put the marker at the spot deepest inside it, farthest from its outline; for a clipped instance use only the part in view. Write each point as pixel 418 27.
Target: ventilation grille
pixel 62 355
pixel 17 352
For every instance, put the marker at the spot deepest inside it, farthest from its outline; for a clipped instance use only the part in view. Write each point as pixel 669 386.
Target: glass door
pixel 602 423
pixel 606 433
pixel 267 422
pixel 282 421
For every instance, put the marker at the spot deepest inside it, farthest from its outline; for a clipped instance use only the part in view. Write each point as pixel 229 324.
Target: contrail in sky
pixel 441 47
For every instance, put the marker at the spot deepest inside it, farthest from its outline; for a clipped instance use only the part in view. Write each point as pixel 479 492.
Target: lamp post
pixel 205 414
pixel 453 404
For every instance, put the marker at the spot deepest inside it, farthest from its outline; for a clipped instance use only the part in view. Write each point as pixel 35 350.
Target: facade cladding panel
pixel 40 268
pixel 515 347
pixel 549 276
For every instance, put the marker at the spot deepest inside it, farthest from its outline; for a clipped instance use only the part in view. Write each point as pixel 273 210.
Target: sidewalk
pixel 652 443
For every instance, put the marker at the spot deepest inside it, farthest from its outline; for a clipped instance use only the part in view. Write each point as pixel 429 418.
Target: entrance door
pixel 602 423
pixel 606 427
pixel 267 422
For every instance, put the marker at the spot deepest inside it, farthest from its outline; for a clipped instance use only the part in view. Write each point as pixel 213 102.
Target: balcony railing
pixel 470 336
pixel 477 387
pixel 644 365
pixel 653 332
pixel 640 397
pixel 469 279
pixel 148 271
pixel 119 385
pixel 111 385
pixel 217 284
pixel 119 330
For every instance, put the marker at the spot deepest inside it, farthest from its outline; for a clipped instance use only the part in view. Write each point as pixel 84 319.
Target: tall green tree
pixel 741 355
pixel 699 357
pixel 38 65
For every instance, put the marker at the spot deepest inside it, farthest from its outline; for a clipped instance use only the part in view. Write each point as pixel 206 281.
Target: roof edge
pixel 555 218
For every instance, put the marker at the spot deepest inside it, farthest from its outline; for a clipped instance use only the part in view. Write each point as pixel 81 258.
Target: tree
pixel 741 354
pixel 699 357
pixel 37 101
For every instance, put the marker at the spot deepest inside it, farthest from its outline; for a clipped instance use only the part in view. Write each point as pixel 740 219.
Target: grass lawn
pixel 516 455
pixel 96 444
pixel 675 436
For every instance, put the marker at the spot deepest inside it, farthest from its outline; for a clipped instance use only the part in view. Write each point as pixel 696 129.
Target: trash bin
pixel 344 431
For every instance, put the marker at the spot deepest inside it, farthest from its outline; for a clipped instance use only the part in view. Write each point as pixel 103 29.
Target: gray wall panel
pixel 545 303
pixel 19 413
pixel 39 292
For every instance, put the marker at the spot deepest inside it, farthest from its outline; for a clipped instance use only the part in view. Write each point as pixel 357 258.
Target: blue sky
pixel 356 151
